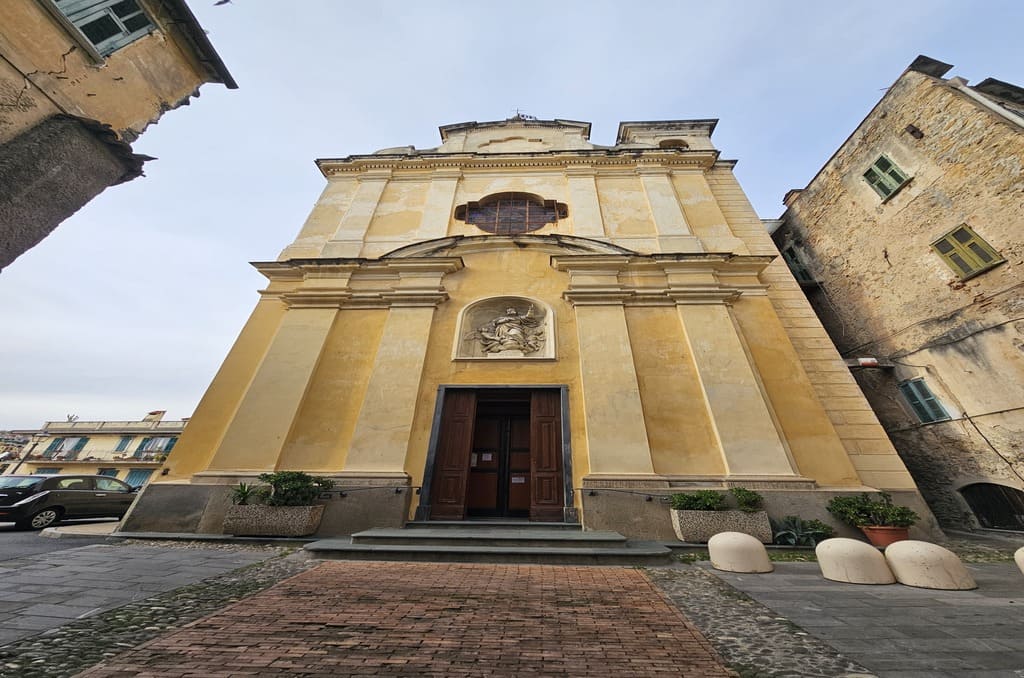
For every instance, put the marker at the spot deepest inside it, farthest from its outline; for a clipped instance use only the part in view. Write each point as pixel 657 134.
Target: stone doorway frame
pixel 569 512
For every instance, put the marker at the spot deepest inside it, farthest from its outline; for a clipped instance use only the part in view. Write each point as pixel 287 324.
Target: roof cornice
pixel 670 158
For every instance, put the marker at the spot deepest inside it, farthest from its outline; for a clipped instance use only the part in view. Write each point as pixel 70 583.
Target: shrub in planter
pixel 287 506
pixel 794 531
pixel 698 516
pixel 881 521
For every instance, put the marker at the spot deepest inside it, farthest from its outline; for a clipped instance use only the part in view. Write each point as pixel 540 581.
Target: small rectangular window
pixel 112 472
pixel 885 177
pixel 924 403
pixel 796 264
pixel 108 24
pixel 966 252
pixel 47 471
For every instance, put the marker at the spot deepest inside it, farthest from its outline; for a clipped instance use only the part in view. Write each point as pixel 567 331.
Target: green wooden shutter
pixel 170 444
pixel 54 444
pixel 924 403
pixel 80 444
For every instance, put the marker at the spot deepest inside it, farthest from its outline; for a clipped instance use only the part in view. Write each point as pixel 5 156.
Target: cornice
pixel 586 160
pixel 328 283
pixel 697 278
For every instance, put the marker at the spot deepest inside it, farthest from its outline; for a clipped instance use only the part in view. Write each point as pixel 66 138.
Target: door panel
pixel 484 466
pixel 451 463
pixel 546 456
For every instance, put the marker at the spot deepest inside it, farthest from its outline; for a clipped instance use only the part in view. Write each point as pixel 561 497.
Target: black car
pixel 38 501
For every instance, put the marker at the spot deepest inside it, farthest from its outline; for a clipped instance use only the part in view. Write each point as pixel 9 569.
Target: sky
pixel 132 304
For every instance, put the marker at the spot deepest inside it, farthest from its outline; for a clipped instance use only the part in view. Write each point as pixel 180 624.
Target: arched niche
pixel 505 328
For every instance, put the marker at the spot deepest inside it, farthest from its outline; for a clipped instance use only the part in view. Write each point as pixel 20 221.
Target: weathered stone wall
pixel 45 71
pixel 47 174
pixel 885 293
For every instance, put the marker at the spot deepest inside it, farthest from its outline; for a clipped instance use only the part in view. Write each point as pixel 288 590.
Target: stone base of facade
pixel 357 502
pixel 639 507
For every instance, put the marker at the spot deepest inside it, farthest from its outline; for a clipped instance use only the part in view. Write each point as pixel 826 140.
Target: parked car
pixel 38 501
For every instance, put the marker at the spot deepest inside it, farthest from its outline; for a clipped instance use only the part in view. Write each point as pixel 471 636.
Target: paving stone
pixel 444 619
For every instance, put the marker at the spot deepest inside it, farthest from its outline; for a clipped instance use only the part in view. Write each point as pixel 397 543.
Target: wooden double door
pixel 499 455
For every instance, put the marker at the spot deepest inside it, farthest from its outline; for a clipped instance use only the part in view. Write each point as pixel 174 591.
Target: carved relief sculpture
pixel 505 327
pixel 512 331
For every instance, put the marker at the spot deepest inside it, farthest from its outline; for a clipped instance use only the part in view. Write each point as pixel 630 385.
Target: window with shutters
pixel 65 448
pixel 112 472
pixel 924 403
pixel 123 443
pixel 108 24
pixel 138 476
pixel 511 213
pixel 966 252
pixel 795 261
pixel 885 177
pixel 155 446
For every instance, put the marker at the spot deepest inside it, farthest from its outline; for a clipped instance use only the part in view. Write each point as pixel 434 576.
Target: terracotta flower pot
pixel 883 536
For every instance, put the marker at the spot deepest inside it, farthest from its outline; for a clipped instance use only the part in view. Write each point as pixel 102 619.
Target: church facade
pixel 521 324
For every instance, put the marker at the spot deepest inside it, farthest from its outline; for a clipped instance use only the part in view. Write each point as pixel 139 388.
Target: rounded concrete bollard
pixel 927 566
pixel 853 562
pixel 1018 556
pixel 738 552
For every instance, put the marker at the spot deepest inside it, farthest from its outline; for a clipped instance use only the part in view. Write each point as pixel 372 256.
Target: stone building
pixel 522 324
pixel 907 242
pixel 128 450
pixel 79 81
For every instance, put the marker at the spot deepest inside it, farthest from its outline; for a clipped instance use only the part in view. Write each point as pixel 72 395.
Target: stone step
pixel 496 524
pixel 480 535
pixel 631 553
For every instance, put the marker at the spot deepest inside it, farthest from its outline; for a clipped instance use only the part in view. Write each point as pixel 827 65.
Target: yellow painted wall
pixel 322 433
pixel 624 207
pixel 202 436
pixel 681 438
pixel 399 210
pixel 132 89
pixel 518 272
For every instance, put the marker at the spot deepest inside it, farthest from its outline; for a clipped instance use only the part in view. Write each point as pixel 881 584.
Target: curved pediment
pixel 463 244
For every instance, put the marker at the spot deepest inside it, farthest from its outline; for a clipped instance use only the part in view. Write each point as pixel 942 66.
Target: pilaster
pixel 740 416
pixel 260 426
pixel 586 216
pixel 347 240
pixel 437 212
pixel 381 437
pixel 616 434
pixel 674 233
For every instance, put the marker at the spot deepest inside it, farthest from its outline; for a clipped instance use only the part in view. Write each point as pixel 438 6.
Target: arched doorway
pixel 996 506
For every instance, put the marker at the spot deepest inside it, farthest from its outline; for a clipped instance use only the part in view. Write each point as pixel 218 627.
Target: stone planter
pixel 256 520
pixel 697 527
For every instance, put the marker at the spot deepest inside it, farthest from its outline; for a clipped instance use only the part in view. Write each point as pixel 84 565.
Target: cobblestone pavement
pixel 79 644
pixel 904 632
pixel 49 590
pixel 371 618
pixel 754 641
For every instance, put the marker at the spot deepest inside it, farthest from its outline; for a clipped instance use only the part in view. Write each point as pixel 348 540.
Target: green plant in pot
pixel 881 521
pixel 697 516
pixel 286 506
pixel 795 531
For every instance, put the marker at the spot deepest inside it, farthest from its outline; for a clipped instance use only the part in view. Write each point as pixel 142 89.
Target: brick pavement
pixel 371 618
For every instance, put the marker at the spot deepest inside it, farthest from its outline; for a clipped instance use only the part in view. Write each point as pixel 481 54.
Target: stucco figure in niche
pixel 505 327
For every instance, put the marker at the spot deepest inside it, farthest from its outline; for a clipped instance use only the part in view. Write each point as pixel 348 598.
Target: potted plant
pixel 698 516
pixel 795 531
pixel 881 521
pixel 284 507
